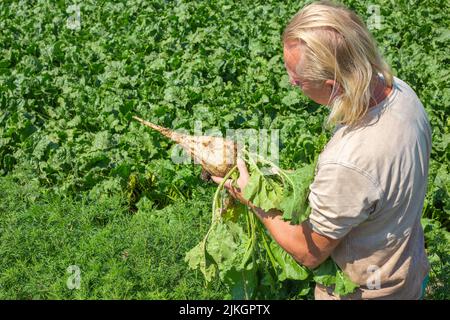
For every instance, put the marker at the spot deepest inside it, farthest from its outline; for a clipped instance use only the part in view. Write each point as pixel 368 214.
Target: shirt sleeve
pixel 341 197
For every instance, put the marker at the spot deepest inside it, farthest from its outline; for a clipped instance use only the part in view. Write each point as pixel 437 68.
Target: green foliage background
pixel 83 185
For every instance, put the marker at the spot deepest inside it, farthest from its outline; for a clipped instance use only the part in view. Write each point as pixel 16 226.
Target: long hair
pixel 337 45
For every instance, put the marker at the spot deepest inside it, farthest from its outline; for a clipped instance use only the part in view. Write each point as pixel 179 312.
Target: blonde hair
pixel 337 45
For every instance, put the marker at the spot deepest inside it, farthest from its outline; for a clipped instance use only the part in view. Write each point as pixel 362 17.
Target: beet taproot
pixel 215 154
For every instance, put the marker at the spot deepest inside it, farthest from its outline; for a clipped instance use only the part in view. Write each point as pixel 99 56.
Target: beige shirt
pixel 369 191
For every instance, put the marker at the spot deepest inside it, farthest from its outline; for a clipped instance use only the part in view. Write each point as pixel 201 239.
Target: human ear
pixel 333 87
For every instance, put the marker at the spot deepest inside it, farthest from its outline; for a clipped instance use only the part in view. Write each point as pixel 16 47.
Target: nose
pixel 294 82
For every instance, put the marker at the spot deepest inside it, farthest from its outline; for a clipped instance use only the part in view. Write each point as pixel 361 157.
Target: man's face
pixel 318 92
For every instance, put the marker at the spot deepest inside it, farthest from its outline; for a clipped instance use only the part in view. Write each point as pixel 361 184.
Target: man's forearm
pixel 300 241
pixel 291 238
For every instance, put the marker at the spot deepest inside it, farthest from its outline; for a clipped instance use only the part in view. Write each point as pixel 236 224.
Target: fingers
pixel 234 191
pixel 219 180
pixel 243 172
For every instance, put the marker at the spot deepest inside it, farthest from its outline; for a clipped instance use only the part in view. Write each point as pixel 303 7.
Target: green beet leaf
pixel 263 192
pixel 242 281
pixel 197 258
pixel 344 285
pixel 325 274
pixel 295 197
pixel 290 269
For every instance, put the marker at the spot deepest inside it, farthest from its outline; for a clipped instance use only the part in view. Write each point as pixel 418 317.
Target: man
pixel 370 182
